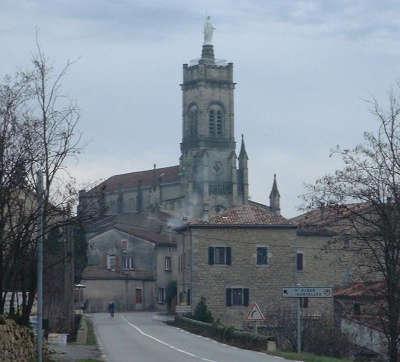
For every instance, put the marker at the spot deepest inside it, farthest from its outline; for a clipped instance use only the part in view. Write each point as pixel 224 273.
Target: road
pixel 139 337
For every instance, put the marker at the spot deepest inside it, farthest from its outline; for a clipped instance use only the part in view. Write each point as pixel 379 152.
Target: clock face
pixel 217 167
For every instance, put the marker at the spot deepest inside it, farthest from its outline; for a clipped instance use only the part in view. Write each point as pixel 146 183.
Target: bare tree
pixel 38 131
pixel 364 196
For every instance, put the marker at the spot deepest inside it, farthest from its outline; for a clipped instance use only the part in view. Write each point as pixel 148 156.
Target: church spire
pixel 274 198
pixel 243 153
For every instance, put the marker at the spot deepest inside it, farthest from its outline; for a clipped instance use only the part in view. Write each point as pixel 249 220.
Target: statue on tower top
pixel 208 31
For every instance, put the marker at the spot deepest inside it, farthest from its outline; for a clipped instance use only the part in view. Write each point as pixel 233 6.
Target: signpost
pixel 305 292
pixel 255 315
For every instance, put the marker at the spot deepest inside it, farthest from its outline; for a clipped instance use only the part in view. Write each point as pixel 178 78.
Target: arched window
pixel 215 121
pixel 193 120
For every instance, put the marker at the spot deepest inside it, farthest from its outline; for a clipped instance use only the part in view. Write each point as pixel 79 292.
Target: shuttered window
pixel 237 296
pixel 219 255
pixel 299 261
pixel 262 255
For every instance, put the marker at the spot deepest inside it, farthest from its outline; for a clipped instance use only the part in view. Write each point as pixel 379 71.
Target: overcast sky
pixel 303 71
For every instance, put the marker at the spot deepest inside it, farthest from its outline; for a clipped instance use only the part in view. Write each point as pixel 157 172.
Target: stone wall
pixel 265 282
pixel 321 268
pixel 16 342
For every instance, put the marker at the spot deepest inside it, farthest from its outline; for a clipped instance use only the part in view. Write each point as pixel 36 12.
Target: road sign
pixel 255 313
pixel 307 292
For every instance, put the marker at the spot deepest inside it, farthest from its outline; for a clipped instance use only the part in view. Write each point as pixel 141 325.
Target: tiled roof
pixel 133 179
pixel 360 289
pixel 329 219
pixel 146 234
pixel 98 272
pixel 249 214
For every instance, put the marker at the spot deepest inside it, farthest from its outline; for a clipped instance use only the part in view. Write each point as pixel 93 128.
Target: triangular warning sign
pixel 255 313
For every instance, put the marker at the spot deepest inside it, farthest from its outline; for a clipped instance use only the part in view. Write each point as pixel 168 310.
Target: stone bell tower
pixel 208 159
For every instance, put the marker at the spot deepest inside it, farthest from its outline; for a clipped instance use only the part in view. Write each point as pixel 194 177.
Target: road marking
pixel 165 343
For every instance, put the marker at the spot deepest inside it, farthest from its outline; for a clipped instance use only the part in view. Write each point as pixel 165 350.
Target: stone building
pixel 228 249
pixel 210 176
pixel 129 264
pixel 247 255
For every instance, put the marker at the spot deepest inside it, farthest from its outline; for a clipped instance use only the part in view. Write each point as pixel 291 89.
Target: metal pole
pixel 40 269
pixel 298 325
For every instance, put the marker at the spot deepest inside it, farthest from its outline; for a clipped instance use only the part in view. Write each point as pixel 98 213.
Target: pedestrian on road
pixel 111 309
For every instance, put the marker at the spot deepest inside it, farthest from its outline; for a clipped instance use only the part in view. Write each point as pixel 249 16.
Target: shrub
pixel 170 295
pixel 202 313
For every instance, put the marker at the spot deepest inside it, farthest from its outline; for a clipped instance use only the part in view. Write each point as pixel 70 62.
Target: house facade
pixel 130 266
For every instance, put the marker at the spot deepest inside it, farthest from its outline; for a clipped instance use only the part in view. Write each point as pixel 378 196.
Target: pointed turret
pixel 274 198
pixel 243 179
pixel 243 153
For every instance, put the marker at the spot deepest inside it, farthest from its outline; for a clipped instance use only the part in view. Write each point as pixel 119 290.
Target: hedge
pixel 224 333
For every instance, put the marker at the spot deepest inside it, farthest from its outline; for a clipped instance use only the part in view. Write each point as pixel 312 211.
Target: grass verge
pixel 91 336
pixel 309 357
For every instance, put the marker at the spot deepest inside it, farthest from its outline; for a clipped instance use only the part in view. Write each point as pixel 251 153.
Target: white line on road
pixel 165 343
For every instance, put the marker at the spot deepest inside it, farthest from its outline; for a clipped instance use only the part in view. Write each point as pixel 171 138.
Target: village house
pixel 129 265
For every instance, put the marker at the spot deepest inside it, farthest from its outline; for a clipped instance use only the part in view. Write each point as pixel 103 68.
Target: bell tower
pixel 208 159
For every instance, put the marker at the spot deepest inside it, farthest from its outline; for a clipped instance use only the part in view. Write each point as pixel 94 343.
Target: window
pixel 193 116
pixel 189 297
pixel 262 255
pixel 304 302
pixel 211 123
pixel 299 261
pixel 346 242
pixel 167 263
pixel 124 245
pixel 237 296
pixel 127 263
pixel 161 296
pixel 138 294
pixel 219 123
pixel 215 121
pixel 111 262
pixel 219 255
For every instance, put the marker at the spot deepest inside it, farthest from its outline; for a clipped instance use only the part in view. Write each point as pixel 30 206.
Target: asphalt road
pixel 139 337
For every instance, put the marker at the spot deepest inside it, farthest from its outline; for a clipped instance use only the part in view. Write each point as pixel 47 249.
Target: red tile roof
pixel 146 234
pixel 362 289
pixel 329 218
pixel 133 179
pixel 249 214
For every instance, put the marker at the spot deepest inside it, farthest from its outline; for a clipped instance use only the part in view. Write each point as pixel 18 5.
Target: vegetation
pixel 365 197
pixel 170 295
pixel 202 313
pixel 309 357
pixel 37 132
pixel 91 335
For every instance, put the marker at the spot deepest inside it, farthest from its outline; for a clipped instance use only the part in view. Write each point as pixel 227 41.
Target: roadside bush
pixel 222 333
pixel 170 296
pixel 324 338
pixel 202 313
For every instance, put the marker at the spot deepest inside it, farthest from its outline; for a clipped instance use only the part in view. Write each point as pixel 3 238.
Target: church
pixel 193 226
pixel 211 176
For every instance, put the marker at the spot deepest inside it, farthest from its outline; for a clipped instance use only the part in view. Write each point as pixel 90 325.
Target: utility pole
pixel 298 325
pixel 40 268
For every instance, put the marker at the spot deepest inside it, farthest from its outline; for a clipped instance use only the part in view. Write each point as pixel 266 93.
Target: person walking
pixel 111 309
